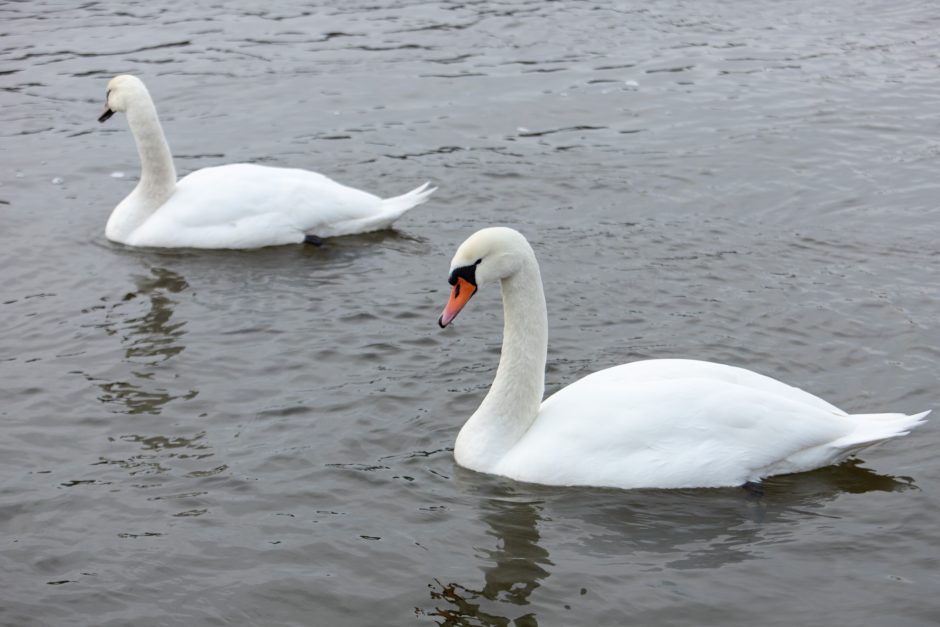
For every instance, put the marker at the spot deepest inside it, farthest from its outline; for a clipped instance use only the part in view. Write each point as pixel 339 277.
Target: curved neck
pixel 157 173
pixel 513 401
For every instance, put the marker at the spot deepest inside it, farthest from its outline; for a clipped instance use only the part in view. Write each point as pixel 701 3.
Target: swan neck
pixel 512 403
pixel 157 173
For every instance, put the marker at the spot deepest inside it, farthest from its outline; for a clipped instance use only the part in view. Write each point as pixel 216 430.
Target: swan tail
pixel 396 206
pixel 874 428
pixel 389 210
pixel 869 429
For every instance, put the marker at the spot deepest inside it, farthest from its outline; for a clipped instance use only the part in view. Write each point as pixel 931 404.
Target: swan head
pixel 489 255
pixel 122 90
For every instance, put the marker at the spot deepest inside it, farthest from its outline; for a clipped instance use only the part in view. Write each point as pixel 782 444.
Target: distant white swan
pixel 661 423
pixel 232 206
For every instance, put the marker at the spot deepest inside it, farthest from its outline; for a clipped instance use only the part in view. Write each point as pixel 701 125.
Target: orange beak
pixel 463 290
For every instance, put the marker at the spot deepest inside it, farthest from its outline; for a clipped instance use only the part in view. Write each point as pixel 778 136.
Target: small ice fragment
pixel 631 84
pixel 19 175
pixel 58 180
pixel 522 129
pixel 117 175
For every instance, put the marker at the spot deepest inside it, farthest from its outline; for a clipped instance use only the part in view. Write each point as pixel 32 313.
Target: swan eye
pixel 467 273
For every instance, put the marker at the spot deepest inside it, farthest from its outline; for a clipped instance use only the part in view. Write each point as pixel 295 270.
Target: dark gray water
pixel 235 438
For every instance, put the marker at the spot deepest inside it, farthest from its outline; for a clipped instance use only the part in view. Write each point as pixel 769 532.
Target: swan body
pixel 240 205
pixel 660 423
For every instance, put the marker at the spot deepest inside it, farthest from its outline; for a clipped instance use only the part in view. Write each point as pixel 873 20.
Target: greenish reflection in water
pixel 519 564
pixel 150 339
pixel 647 531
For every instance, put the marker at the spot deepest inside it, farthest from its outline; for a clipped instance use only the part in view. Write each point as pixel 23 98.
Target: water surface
pixel 263 437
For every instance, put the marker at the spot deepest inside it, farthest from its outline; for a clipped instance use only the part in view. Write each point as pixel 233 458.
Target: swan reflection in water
pixel 515 568
pixel 637 533
pixel 145 381
pixel 150 339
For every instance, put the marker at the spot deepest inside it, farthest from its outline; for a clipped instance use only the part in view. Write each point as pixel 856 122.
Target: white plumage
pixel 663 423
pixel 232 206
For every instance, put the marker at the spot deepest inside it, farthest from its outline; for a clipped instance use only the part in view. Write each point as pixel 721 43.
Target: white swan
pixel 232 206
pixel 662 423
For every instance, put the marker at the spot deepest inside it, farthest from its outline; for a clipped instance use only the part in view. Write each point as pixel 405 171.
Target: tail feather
pixel 873 428
pixel 398 205
pixel 390 209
